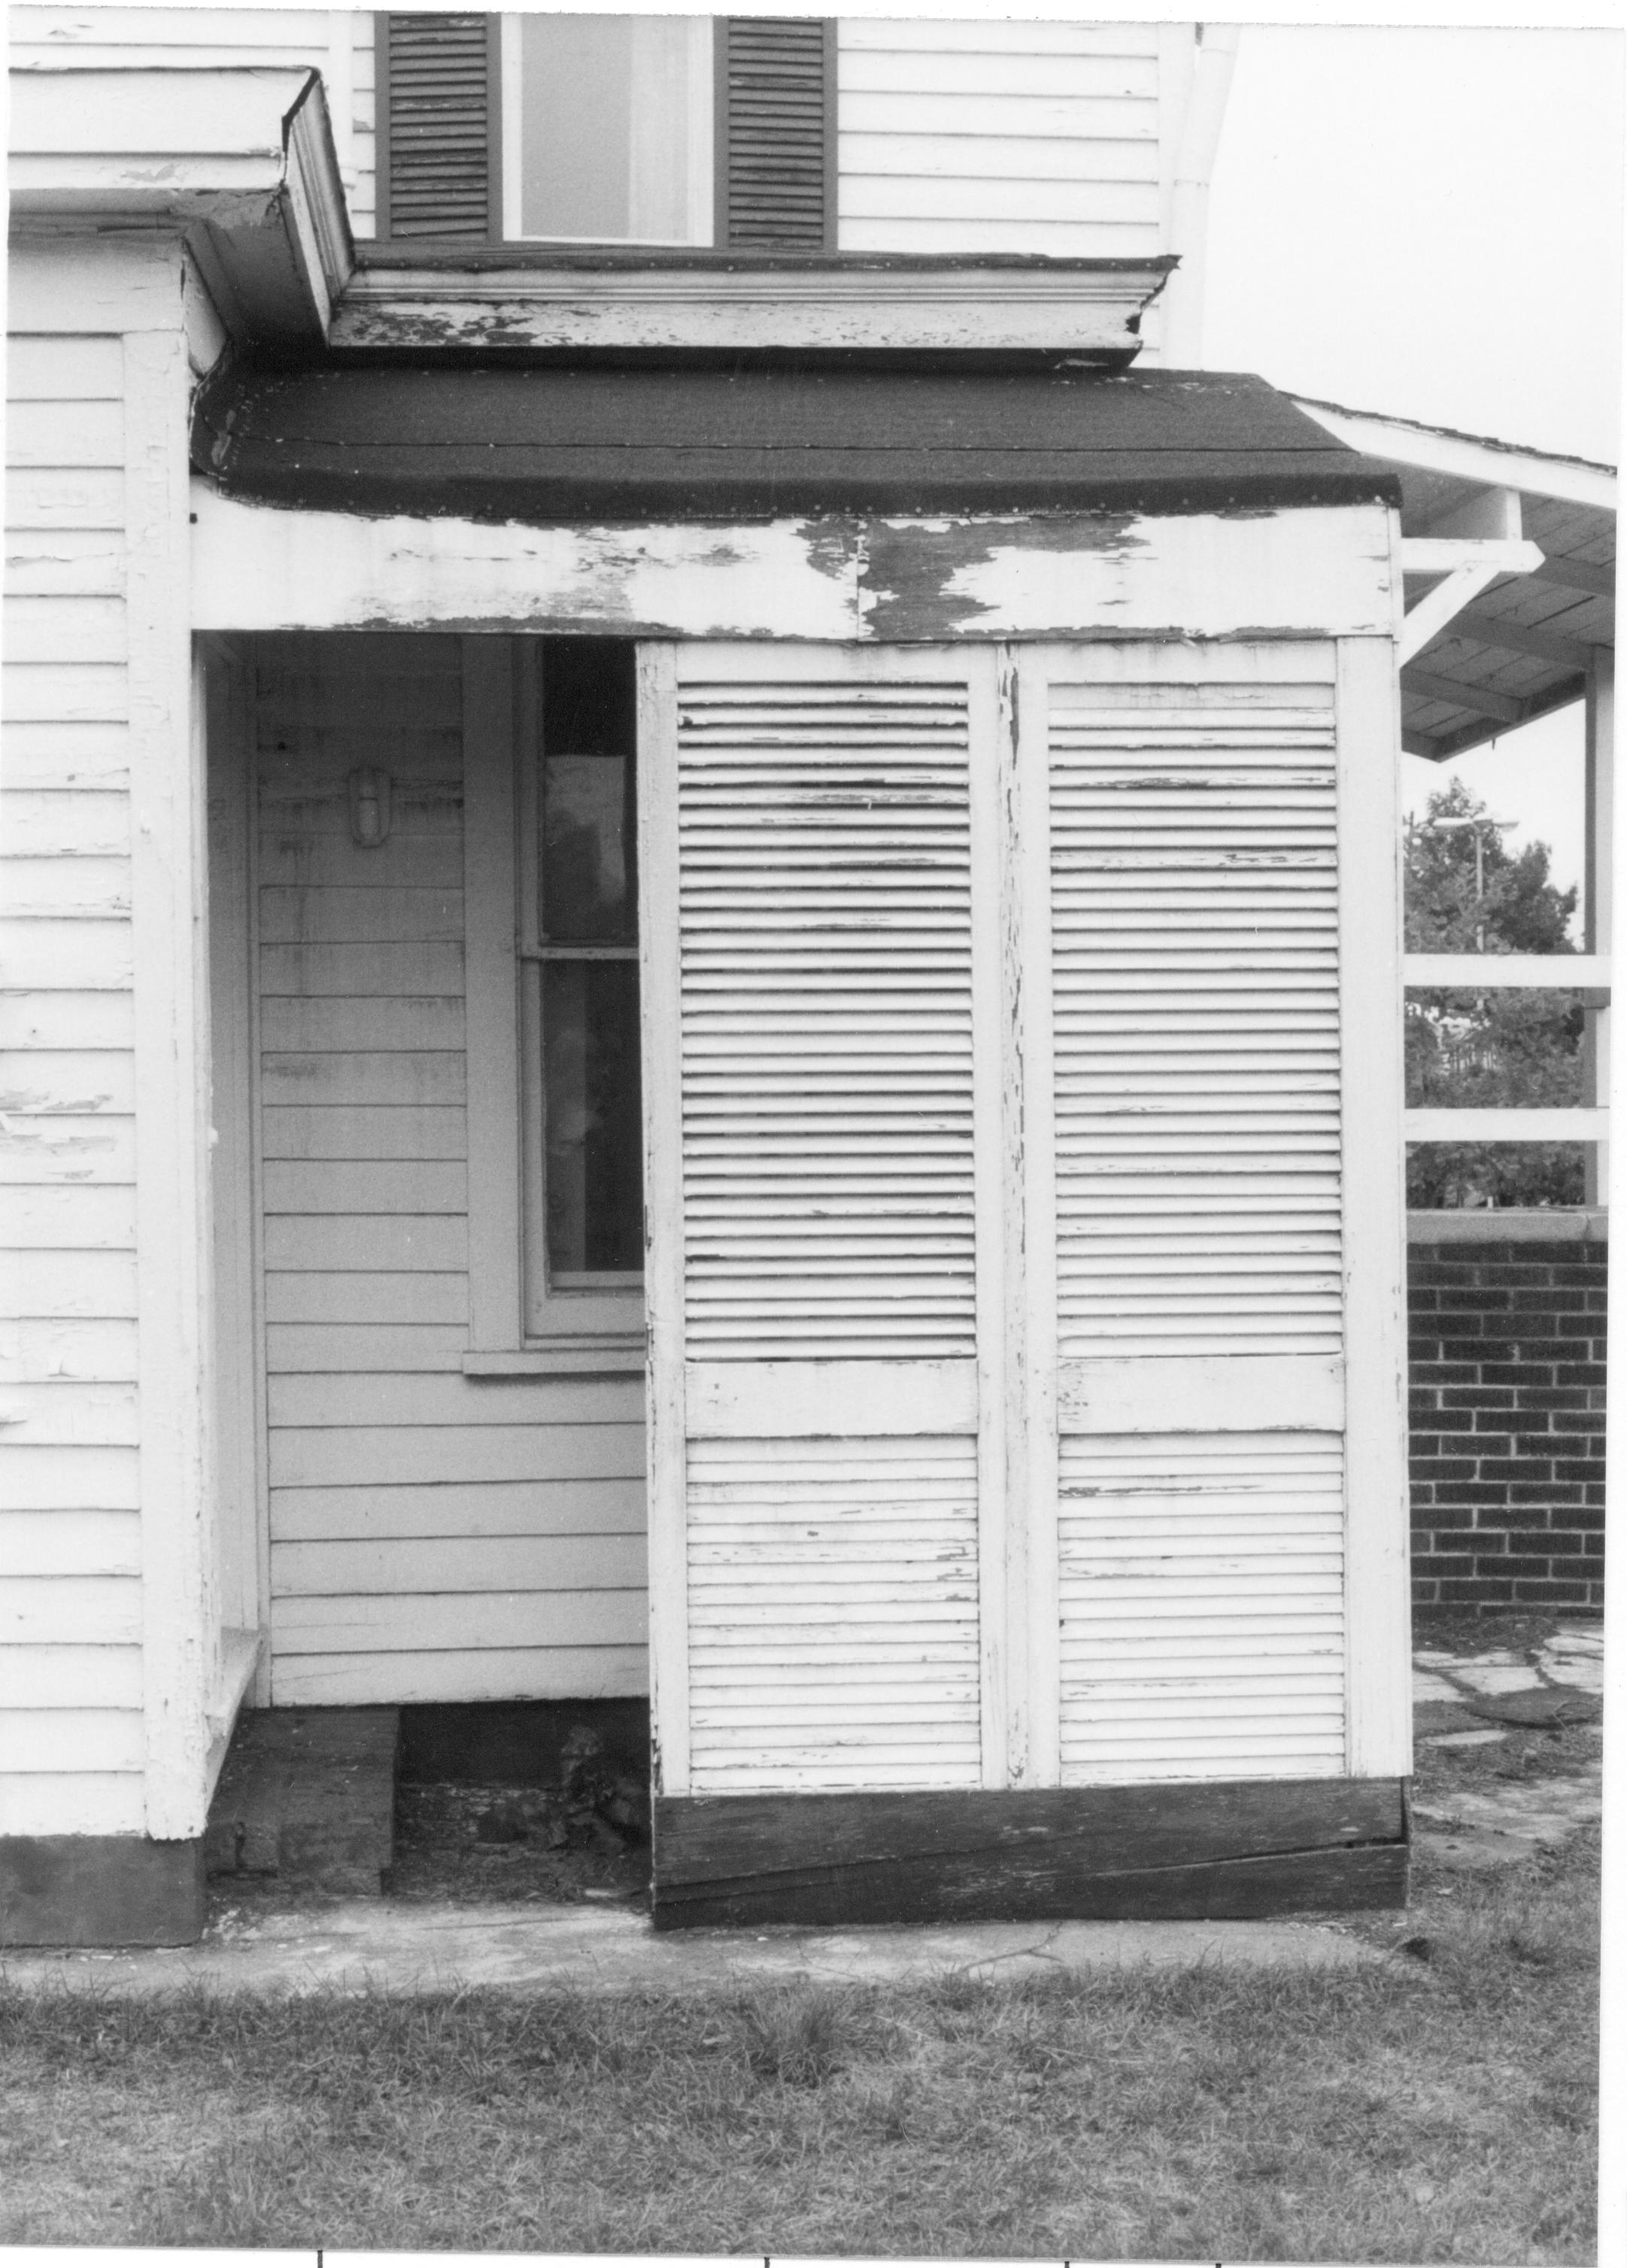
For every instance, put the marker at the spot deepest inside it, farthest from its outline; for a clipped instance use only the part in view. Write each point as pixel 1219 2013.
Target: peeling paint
pixel 921 578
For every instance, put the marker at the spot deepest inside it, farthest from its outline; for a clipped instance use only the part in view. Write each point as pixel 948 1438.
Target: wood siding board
pixel 523 1672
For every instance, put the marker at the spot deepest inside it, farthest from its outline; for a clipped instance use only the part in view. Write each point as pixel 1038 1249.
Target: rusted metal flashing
pixel 743 441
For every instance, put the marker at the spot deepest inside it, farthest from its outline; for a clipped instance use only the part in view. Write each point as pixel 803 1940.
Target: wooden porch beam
pixel 1502 706
pixel 1577 575
pixel 1515 638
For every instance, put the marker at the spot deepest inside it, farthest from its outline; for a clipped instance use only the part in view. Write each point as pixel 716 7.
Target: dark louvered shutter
pixel 777 121
pixel 438 105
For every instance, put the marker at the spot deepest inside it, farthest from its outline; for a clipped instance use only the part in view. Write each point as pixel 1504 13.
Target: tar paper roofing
pixel 578 441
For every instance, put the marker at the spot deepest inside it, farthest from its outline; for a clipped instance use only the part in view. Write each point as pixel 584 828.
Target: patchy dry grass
pixel 1434 2108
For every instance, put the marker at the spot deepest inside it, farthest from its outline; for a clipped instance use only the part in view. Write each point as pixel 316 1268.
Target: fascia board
pixel 243 160
pixel 1461 457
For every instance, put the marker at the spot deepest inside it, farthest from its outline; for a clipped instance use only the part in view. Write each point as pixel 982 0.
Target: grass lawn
pixel 1434 2107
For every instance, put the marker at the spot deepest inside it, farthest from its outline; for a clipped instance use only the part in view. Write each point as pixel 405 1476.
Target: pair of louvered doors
pixel 996 1195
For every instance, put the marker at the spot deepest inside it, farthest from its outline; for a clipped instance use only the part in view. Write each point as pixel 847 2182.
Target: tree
pixel 1490 1048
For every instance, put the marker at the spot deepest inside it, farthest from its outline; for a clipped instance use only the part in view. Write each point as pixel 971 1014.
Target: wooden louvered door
pixel 1195 1191
pixel 822 1052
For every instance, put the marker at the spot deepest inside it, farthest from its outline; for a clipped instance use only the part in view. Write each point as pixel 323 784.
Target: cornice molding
pixel 1079 308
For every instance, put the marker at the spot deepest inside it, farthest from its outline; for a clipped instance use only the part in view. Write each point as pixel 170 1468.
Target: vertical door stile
pixel 659 988
pixel 1035 1044
pixel 1378 1712
pixel 999 1528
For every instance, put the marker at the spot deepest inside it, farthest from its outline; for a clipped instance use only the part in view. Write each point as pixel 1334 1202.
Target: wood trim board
pixel 1222 1849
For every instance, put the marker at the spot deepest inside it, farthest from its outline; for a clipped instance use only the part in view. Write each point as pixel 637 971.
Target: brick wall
pixel 1507 1415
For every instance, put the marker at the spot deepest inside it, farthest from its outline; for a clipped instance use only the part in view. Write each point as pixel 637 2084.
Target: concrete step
pixel 307 1796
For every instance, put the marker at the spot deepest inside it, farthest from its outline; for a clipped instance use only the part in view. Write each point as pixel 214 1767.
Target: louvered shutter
pixel 776 113
pixel 1195 1049
pixel 823 1134
pixel 439 108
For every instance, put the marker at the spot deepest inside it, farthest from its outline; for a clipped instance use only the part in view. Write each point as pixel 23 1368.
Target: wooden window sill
pixel 622 1355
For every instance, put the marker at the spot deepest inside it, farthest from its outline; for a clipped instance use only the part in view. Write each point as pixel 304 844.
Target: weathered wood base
pixel 100 1890
pixel 1210 1851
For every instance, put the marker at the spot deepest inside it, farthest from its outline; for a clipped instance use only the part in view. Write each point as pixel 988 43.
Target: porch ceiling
pixel 1524 647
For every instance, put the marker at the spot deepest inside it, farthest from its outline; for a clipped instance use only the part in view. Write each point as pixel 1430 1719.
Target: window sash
pixel 700 142
pixel 587 1321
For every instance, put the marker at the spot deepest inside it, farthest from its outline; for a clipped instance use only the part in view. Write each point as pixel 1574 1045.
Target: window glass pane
pixel 590 1102
pixel 607 143
pixel 589 882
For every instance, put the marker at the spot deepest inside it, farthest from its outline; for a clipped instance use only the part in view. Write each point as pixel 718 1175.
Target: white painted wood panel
pixel 69 1542
pixel 1309 573
pixel 370 1513
pixel 70 1676
pixel 71 1803
pixel 37 1349
pixel 70 1740
pixel 53 754
pixel 871 1544
pixel 37 1148
pixel 432 1536
pixel 67 1414
pixel 78 1610
pixel 488 1673
pixel 54 888
pixel 1217 1545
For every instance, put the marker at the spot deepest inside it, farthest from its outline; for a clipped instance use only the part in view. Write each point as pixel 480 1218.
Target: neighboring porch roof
pixel 1525 646
pixel 738 439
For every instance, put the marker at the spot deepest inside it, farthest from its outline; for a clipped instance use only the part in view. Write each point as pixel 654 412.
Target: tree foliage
pixel 1488 1050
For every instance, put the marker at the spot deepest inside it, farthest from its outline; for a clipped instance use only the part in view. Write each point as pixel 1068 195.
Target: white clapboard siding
pixel 1195 968
pixel 339 43
pixel 999 135
pixel 1202 1607
pixel 825 928
pixel 71 1802
pixel 432 1537
pixel 70 1676
pixel 834 1613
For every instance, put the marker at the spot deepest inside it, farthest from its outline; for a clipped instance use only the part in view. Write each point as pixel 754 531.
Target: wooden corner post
pixel 1378 1661
pixel 173 1239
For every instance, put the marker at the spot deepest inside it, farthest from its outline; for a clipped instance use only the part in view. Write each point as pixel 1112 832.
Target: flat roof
pixel 762 437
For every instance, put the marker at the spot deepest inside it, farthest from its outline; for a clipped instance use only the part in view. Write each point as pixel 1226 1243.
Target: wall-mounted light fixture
pixel 369 805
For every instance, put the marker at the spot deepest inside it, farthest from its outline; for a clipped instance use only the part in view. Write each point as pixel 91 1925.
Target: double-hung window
pixel 556 1118
pixel 661 132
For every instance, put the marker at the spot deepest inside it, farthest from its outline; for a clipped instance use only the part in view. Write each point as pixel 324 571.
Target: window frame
pixel 518 1322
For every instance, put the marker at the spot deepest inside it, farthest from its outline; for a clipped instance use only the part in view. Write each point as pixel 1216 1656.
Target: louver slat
pixel 775 131
pixel 438 126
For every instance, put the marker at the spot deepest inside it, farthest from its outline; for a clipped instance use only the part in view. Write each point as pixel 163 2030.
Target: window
pixel 665 131
pixel 555 1113
pixel 579 978
pixel 607 128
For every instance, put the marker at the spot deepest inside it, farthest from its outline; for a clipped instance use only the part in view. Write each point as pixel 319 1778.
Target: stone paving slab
pixel 1501 1826
pixel 361 1946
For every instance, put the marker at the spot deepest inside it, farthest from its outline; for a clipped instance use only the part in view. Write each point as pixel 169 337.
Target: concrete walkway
pixel 369 1944
pixel 365 1945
